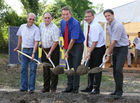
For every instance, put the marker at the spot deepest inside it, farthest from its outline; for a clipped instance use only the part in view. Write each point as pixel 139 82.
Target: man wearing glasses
pixel 29 35
pixel 96 48
pixel 50 34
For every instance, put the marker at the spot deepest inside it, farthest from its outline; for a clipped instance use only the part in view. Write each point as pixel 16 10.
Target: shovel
pixel 97 69
pixel 56 70
pixel 69 71
pixel 38 62
pixel 83 69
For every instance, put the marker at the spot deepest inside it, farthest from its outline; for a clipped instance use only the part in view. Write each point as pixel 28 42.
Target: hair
pixel 66 8
pixel 89 11
pixel 109 10
pixel 138 32
pixel 48 13
pixel 31 14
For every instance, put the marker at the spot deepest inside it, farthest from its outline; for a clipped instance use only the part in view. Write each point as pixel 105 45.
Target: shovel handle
pixel 86 62
pixel 67 64
pixel 102 64
pixel 28 56
pixel 49 58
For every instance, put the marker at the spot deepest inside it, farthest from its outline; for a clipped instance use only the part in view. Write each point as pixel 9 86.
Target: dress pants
pixel 95 61
pixel 74 60
pixel 119 57
pixel 50 79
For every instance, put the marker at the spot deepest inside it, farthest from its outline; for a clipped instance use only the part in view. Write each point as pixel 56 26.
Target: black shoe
pixel 75 91
pixel 94 92
pixel 67 91
pixel 44 90
pixel 31 91
pixel 21 90
pixel 117 97
pixel 113 93
pixel 88 89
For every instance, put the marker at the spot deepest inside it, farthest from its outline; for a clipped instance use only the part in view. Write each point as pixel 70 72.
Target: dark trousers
pixel 50 79
pixel 119 57
pixel 74 60
pixel 95 61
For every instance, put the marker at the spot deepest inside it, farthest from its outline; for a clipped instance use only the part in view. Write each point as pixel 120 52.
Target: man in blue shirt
pixel 73 44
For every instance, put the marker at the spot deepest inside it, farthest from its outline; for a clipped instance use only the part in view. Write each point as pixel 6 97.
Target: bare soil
pixel 9 93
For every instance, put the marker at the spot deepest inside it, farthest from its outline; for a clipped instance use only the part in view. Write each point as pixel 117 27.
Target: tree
pixel 3 11
pixel 31 6
pixel 78 7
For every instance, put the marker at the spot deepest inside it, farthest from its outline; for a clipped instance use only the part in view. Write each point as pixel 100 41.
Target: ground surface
pixel 10 80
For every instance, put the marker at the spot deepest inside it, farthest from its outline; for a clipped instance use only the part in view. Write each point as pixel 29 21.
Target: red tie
pixel 87 35
pixel 66 37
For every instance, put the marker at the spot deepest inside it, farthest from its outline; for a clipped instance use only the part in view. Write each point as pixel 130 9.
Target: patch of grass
pixel 9 78
pixel 106 78
pixel 137 76
pixel 5 56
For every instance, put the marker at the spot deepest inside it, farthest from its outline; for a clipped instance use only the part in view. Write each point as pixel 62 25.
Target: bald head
pixel 30 19
pixel 31 14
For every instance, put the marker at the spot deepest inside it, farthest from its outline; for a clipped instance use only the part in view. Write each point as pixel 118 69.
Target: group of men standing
pixel 49 34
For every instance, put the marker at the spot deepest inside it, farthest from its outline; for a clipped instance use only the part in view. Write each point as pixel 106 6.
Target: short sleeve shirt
pixel 137 43
pixel 29 35
pixel 49 34
pixel 96 34
pixel 117 32
pixel 74 30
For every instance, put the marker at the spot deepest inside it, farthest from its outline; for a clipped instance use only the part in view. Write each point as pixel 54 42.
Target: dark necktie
pixel 66 37
pixel 87 36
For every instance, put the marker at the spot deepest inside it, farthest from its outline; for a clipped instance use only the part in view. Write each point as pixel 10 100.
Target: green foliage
pixel 8 17
pixel 55 9
pixel 12 19
pixel 31 6
pixel 78 7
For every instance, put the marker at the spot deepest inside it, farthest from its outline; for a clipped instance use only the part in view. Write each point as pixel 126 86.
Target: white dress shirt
pixel 96 34
pixel 49 34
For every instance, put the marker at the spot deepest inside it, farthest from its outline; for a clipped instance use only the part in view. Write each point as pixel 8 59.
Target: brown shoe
pixel 44 90
pixel 53 91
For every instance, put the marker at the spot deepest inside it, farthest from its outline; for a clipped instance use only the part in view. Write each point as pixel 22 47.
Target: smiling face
pixel 109 17
pixel 66 15
pixel 47 18
pixel 89 17
pixel 30 19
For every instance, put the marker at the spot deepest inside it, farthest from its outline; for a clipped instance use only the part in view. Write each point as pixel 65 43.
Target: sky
pixel 16 5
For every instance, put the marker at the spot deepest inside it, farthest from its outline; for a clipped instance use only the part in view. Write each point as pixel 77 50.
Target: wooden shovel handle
pixel 28 56
pixel 49 58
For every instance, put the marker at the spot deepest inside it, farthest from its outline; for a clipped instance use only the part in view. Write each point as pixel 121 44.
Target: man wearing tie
pixel 96 49
pixel 73 44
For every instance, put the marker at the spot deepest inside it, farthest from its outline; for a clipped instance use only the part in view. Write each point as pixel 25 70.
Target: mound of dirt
pixel 58 70
pixel 82 69
pixel 19 97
